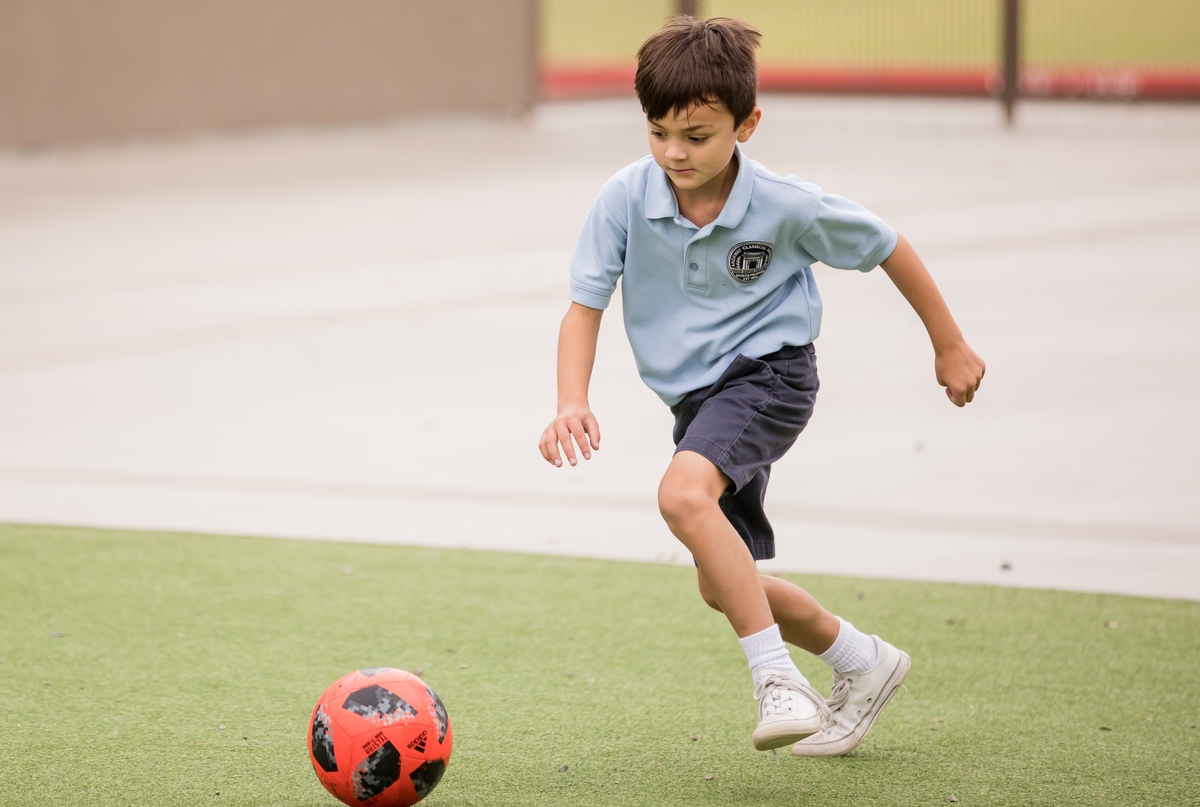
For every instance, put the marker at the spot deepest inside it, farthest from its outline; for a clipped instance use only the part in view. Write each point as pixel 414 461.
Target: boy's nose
pixel 676 151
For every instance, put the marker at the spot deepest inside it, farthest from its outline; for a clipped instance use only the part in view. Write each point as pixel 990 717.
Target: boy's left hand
pixel 960 370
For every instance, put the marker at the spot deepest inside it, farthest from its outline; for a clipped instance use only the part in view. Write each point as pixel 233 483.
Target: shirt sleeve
pixel 845 235
pixel 599 257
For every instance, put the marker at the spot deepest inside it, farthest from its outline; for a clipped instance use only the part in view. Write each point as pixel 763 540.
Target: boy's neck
pixel 701 206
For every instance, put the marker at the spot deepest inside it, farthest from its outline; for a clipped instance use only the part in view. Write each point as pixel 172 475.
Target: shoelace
pixel 775 702
pixel 840 693
pixel 837 697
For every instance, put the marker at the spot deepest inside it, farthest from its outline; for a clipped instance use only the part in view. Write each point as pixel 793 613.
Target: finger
pixel 592 426
pixel 564 439
pixel 579 433
pixel 549 448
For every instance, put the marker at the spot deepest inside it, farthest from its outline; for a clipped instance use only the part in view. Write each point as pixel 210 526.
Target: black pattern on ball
pixel 439 713
pixel 426 777
pixel 379 705
pixel 322 742
pixel 377 772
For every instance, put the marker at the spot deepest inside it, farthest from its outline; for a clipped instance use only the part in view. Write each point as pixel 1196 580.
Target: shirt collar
pixel 660 199
pixel 662 204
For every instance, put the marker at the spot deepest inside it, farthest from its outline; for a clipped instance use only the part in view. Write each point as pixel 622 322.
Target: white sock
pixel 765 650
pixel 852 651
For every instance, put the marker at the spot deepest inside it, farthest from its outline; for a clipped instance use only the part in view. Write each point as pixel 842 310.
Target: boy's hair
pixel 690 61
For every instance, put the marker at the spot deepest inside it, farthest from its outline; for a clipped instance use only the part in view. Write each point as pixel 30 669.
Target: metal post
pixel 690 8
pixel 1011 58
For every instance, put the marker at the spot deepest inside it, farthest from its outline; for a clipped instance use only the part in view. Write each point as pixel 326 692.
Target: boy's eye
pixel 697 139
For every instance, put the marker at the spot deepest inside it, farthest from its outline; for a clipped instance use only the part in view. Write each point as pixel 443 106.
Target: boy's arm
pixel 576 355
pixel 958 368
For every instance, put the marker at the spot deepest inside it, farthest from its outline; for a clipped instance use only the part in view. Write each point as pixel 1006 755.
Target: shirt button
pixel 693 266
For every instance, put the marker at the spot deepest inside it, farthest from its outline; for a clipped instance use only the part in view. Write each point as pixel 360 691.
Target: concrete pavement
pixel 349 334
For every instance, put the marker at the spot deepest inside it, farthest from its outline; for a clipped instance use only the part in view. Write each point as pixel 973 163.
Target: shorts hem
pixel 718 456
pixel 761 551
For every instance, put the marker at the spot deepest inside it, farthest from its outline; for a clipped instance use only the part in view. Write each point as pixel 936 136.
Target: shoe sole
pixel 777 736
pixel 855 738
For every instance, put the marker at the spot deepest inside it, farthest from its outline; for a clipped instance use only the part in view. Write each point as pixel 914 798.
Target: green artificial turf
pixel 161 669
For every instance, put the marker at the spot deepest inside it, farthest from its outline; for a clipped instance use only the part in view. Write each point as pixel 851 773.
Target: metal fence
pixel 1003 48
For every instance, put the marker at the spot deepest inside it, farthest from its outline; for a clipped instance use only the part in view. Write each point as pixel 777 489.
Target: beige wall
pixel 83 70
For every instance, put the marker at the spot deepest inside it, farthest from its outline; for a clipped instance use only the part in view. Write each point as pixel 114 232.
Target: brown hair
pixel 690 61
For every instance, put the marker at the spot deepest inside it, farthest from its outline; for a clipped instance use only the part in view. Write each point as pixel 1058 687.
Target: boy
pixel 714 255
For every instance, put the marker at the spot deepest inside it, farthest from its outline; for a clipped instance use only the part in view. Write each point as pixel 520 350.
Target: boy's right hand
pixel 960 370
pixel 574 426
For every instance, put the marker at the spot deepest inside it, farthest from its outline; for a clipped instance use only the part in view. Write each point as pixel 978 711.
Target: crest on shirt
pixel 748 260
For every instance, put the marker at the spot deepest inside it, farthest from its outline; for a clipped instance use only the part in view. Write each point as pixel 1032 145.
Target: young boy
pixel 714 255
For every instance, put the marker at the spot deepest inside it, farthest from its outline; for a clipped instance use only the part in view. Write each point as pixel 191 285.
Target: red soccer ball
pixel 380 737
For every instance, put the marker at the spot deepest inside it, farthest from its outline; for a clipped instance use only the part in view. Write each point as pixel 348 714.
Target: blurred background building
pixel 77 70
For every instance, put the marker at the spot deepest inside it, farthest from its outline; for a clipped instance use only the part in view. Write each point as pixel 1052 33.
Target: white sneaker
pixel 788 710
pixel 856 700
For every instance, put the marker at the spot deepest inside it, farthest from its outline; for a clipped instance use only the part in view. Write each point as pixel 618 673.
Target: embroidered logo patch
pixel 748 260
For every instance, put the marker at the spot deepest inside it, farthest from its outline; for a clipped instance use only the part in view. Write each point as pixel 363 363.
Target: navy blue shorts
pixel 743 423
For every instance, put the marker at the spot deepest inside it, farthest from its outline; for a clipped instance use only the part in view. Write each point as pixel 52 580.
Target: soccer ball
pixel 380 737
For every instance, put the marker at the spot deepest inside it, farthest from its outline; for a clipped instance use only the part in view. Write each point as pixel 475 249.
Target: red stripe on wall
pixel 1110 83
pixel 559 82
pixel 592 81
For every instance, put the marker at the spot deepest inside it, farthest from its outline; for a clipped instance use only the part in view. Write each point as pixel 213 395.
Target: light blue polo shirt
pixel 694 298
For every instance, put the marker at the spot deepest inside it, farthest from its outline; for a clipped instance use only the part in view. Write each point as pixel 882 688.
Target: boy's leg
pixel 733 431
pixel 789 708
pixel 688 499
pixel 802 620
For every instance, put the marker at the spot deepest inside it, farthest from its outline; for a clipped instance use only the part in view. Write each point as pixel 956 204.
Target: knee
pixel 690 491
pixel 679 502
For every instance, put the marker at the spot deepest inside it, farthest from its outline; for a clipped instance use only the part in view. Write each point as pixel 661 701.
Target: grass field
pixel 1153 33
pixel 161 669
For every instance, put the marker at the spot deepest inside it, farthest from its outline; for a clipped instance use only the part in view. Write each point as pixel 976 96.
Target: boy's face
pixel 694 147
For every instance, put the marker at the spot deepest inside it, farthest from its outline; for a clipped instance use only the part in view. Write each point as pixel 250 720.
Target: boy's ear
pixel 748 126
